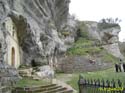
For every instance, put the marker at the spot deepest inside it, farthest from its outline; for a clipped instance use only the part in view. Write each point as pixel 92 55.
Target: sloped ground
pixel 86 55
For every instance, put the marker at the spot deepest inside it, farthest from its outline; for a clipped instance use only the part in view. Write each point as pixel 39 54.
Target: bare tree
pixel 110 20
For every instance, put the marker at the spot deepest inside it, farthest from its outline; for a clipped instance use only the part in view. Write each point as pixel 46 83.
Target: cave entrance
pixel 13 57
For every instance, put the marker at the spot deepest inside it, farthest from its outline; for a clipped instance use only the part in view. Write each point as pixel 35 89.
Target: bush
pixel 82 31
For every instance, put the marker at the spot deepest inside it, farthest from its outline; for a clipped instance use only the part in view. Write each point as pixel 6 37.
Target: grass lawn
pixel 30 82
pixel 105 74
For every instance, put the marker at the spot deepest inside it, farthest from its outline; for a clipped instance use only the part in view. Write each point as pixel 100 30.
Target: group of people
pixel 119 67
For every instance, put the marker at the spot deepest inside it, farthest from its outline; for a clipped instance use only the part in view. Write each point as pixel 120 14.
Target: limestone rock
pixel 26 72
pixel 44 72
pixel 108 37
pixel 93 30
pixel 42 22
pixel 114 50
pixel 122 47
pixel 39 25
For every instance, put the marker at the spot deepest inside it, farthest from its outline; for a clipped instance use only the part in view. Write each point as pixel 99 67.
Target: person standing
pixel 123 65
pixel 116 67
pixel 119 67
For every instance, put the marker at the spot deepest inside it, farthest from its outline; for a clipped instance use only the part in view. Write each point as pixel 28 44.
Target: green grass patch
pixel 74 81
pixel 30 82
pixel 105 74
pixel 83 47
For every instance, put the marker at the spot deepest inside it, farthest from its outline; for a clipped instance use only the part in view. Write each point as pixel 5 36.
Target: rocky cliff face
pixel 44 27
pixel 108 37
pixel 46 20
pixel 96 47
pixel 122 47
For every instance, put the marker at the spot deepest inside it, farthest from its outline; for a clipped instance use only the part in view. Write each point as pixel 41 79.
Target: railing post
pixel 120 86
pixel 107 83
pixel 98 85
pixel 106 86
pixel 119 83
pixel 113 85
pixel 79 84
pixel 124 87
pixel 102 86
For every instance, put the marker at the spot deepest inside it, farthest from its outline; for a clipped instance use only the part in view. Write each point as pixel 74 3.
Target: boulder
pixel 44 72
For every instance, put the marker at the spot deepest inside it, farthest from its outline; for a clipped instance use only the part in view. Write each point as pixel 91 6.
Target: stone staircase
pixel 52 88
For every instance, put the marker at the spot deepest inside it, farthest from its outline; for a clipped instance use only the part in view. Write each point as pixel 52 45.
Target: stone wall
pixel 81 64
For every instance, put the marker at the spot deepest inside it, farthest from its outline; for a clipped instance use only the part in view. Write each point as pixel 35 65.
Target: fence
pixel 100 86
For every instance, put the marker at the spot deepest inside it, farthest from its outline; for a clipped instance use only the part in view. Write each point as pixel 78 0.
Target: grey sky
pixel 95 10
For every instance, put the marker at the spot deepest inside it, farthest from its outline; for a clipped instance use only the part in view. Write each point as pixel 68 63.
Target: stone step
pixel 49 89
pixel 35 89
pixel 44 89
pixel 66 91
pixel 55 90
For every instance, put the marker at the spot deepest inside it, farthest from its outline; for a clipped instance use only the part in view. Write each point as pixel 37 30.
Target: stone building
pixel 12 56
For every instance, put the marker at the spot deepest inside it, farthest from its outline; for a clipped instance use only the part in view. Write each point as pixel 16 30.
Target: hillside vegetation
pixel 84 45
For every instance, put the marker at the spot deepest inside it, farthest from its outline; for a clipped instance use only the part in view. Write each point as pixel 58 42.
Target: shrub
pixel 82 31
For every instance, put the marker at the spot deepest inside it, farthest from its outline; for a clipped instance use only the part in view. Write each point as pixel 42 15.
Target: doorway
pixel 13 57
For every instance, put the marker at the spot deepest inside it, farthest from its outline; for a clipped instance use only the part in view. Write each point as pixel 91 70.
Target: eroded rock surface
pixel 44 29
pixel 108 37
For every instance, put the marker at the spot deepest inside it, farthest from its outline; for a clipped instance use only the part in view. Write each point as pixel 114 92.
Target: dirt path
pixel 64 78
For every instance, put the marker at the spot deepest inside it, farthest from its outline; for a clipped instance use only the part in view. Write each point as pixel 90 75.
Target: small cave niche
pixel 13 33
pixel 4 24
pixel 0 45
pixel 33 63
